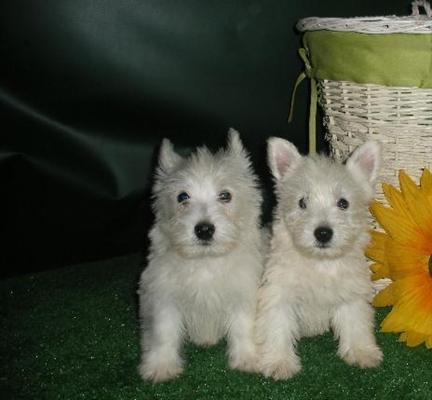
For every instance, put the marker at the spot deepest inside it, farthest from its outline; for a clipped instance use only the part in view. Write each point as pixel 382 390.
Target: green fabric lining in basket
pixel 397 59
pixel 384 59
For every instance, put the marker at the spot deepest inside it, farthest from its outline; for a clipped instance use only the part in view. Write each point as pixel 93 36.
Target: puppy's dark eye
pixel 183 196
pixel 343 204
pixel 225 196
pixel 302 203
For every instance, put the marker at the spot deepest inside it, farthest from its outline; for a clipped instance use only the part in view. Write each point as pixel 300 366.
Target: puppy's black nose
pixel 323 234
pixel 204 231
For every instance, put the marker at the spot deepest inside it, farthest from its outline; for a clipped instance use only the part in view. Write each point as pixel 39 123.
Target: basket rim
pixel 379 25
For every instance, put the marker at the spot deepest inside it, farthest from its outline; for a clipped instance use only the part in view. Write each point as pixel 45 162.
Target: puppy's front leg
pixel 277 332
pixel 241 344
pixel 161 340
pixel 353 324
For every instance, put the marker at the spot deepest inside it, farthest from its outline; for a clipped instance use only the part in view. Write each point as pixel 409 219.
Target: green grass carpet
pixel 73 334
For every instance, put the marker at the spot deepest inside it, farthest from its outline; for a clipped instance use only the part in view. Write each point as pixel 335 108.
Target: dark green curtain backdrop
pixel 88 88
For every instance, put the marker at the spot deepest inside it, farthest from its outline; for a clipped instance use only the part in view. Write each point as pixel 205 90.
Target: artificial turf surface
pixel 73 333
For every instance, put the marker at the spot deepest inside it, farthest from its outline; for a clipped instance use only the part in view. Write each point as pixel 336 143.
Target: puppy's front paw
pixel 160 370
pixel 283 368
pixel 364 357
pixel 246 362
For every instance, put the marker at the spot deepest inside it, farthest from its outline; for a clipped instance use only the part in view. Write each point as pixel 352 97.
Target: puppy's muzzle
pixel 323 235
pixel 204 231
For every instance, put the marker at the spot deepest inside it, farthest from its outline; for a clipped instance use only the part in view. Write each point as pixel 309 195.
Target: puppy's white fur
pixel 194 290
pixel 309 287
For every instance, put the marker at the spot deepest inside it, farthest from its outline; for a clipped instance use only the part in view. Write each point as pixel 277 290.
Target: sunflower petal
pixel 414 339
pixel 417 202
pixel 397 202
pixel 384 297
pixel 394 322
pixel 413 305
pixel 405 261
pixel 376 248
pixel 379 271
pixel 426 181
pixel 403 337
pixel 400 229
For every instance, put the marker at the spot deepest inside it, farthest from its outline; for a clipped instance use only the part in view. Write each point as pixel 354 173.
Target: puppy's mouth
pixel 322 245
pixel 205 243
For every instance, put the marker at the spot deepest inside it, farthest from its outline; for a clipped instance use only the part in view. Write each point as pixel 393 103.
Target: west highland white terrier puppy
pixel 316 276
pixel 205 261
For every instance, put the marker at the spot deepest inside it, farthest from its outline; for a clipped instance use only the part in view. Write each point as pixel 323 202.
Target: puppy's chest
pixel 316 301
pixel 203 288
pixel 327 288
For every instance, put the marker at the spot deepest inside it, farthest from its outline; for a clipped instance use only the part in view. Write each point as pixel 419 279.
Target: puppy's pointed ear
pixel 365 161
pixel 168 158
pixel 235 145
pixel 283 157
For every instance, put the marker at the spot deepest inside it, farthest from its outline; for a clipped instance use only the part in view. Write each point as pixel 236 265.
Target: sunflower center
pixel 430 266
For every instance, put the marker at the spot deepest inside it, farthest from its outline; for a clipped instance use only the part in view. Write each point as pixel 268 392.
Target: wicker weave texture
pixel 415 23
pixel 376 25
pixel 400 118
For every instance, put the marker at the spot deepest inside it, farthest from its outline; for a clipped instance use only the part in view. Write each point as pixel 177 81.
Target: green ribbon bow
pixel 307 73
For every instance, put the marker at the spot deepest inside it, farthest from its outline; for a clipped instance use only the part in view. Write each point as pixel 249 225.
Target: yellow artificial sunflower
pixel 403 253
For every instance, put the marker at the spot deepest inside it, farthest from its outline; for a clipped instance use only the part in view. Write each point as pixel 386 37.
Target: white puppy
pixel 205 261
pixel 316 276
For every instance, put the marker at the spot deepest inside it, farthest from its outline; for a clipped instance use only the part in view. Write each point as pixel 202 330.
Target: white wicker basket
pixel 398 116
